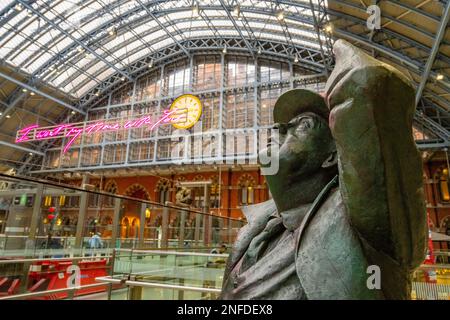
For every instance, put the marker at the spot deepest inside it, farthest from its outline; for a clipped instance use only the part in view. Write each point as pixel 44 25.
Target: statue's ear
pixel 330 161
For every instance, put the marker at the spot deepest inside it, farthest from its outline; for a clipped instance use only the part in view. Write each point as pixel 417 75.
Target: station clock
pixel 188 110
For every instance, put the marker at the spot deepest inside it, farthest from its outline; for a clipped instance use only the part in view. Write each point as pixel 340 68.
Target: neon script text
pixel 73 131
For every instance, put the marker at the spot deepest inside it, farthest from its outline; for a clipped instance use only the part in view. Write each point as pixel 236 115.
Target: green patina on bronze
pixel 348 193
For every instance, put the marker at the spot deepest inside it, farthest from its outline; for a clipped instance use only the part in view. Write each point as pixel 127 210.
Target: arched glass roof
pixel 75 45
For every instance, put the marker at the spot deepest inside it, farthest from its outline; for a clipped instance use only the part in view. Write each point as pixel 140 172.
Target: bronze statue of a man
pixel 348 198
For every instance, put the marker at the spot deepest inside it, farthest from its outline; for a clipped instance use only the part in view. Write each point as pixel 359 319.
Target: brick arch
pixel 199 177
pixel 135 187
pixel 445 221
pixel 215 181
pixel 110 184
pixel 246 180
pixel 179 179
pixel 162 184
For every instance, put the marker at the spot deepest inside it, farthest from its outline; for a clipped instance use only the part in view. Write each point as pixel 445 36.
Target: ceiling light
pixel 112 31
pixel 1 113
pixel 280 15
pixel 224 49
pixel 24 90
pixel 31 153
pixel 296 59
pixel 237 11
pixel 195 10
pixel 73 112
pixel 328 28
pixel 440 76
pixel 259 50
pixel 123 78
pixel 150 65
pixel 18 7
pixel 29 13
pixel 32 93
pixel 97 93
pixel 264 106
pixel 8 116
pixel 80 49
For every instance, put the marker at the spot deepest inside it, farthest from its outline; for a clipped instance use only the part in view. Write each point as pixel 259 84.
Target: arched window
pixel 246 189
pixel 163 190
pixel 94 198
pixel 111 187
pixel 215 192
pixel 445 225
pixel 198 193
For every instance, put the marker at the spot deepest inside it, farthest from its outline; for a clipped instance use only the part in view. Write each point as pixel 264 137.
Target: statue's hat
pixel 297 101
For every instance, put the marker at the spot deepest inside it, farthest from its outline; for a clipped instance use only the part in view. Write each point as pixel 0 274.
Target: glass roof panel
pixel 3 30
pixel 68 72
pixel 94 23
pixel 31 27
pixel 5 3
pixel 77 81
pixel 86 87
pixel 40 61
pixel 25 54
pixel 118 40
pixel 136 56
pixel 104 75
pixel 94 68
pixel 19 17
pixel 4 51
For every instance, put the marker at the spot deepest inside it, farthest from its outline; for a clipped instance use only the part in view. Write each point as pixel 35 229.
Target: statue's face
pixel 305 143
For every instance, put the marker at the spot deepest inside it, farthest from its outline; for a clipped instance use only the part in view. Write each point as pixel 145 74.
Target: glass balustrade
pixel 164 274
pixel 50 232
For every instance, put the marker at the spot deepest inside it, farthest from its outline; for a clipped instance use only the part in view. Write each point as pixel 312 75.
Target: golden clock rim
pixel 199 113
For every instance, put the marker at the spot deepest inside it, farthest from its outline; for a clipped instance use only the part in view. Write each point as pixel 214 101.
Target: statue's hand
pixel 357 75
pixel 353 74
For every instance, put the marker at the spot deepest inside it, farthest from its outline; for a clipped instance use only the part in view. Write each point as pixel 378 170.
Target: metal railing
pixel 47 293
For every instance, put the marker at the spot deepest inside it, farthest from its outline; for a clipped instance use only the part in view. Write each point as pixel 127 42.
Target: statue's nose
pixel 281 127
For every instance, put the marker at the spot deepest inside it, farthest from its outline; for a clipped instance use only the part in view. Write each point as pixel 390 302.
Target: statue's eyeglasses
pixel 282 127
pixel 305 122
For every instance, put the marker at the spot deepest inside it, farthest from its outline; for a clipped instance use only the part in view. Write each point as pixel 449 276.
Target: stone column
pixel 141 242
pixel 115 222
pixel 165 227
pixel 81 215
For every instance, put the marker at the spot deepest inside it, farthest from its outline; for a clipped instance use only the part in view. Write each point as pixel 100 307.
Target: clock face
pixel 188 109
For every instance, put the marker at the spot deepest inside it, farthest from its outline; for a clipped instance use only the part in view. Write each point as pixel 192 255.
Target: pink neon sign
pixel 73 131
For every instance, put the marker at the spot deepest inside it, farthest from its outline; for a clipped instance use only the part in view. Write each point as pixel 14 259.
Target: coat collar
pixel 259 211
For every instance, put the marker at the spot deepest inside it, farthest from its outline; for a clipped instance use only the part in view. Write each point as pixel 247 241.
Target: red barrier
pixel 56 275
pixel 12 288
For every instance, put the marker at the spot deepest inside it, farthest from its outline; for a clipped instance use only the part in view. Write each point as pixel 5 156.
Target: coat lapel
pixel 257 217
